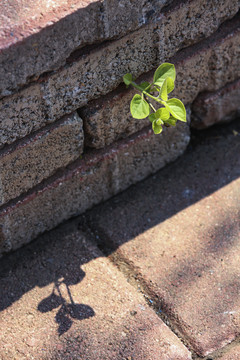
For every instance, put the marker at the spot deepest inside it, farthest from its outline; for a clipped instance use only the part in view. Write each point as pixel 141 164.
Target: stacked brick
pixel 67 140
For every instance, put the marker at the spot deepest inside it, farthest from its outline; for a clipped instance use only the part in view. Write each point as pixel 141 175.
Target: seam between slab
pixel 221 352
pixel 139 284
pixel 135 281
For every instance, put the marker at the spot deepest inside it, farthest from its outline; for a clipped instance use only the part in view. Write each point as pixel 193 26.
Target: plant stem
pixel 143 91
pixel 152 107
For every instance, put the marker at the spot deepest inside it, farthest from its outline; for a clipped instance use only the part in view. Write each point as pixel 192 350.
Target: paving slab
pixel 178 234
pixel 232 354
pixel 62 299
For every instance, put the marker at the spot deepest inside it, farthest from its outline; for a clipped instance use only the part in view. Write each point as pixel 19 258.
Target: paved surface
pixel 151 274
pixel 179 233
pixel 62 299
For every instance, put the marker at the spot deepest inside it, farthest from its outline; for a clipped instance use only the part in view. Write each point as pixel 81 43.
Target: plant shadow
pixel 57 257
pixel 68 310
pixel 50 259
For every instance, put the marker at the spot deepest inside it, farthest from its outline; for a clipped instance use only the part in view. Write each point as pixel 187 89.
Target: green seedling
pixel 170 110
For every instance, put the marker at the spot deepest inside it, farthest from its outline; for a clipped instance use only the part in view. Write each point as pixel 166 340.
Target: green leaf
pixel 162 113
pixel 171 121
pixel 177 109
pixel 164 71
pixel 152 117
pixel 170 85
pixel 159 122
pixel 127 79
pixel 156 128
pixel 139 107
pixel 163 91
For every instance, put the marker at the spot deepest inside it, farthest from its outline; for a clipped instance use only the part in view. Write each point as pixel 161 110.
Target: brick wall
pixel 67 140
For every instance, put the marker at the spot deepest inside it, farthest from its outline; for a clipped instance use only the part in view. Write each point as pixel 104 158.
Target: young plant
pixel 141 105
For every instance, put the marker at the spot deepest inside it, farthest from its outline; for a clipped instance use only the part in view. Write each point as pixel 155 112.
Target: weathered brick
pixel 191 21
pixel 100 70
pixel 27 163
pixel 33 44
pixel 121 17
pixel 220 106
pixel 108 118
pixel 178 235
pixel 88 181
pixel 92 75
pixel 201 67
pixel 211 64
pixel 62 299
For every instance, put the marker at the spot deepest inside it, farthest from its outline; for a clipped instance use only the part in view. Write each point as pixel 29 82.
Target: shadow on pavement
pixel 68 310
pixel 55 258
pixel 211 162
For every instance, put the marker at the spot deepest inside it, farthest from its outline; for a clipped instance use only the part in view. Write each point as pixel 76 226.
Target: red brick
pixel 31 32
pixel 220 106
pixel 62 299
pixel 98 176
pixel 199 68
pixel 27 163
pixel 78 82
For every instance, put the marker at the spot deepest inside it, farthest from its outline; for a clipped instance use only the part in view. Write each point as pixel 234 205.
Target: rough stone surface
pixel 232 354
pixel 31 32
pixel 220 106
pixel 95 72
pixel 27 163
pixel 200 67
pixel 108 118
pixel 62 299
pixel 211 64
pixel 190 21
pixel 178 234
pixel 96 177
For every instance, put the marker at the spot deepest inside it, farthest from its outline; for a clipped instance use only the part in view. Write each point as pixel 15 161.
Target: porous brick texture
pixel 178 235
pixel 62 299
pixel 88 181
pixel 37 157
pixel 95 72
pixel 31 32
pixel 220 106
pixel 200 67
